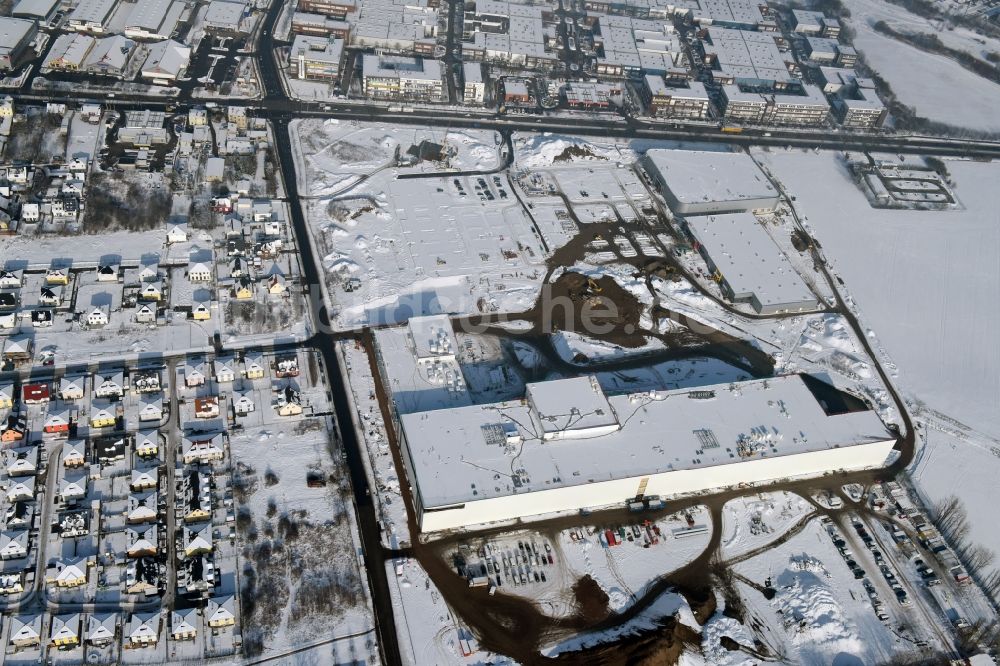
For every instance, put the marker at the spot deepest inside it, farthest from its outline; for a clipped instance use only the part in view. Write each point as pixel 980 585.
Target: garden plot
pixel 331 154
pixel 419 248
pixel 754 521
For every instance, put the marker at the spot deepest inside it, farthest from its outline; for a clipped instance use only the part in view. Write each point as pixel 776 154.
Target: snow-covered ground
pixel 936 86
pixel 922 280
pixel 428 631
pixel 330 154
pixel 753 521
pixel 820 613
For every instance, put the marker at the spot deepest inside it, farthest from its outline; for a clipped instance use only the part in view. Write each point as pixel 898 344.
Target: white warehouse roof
pixel 482 452
pixel 719 181
pixel 752 265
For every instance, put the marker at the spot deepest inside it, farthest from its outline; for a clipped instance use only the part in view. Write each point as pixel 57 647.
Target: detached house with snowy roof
pixel 102 629
pixel 6 396
pixel 142 508
pixel 147 443
pixel 65 631
pixel 109 384
pixel 151 408
pixel 71 572
pixel 13 544
pixel 71 388
pixel 142 630
pixel 26 630
pixel 221 612
pixel 183 624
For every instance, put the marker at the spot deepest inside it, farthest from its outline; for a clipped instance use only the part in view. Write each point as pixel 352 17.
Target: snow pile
pixel 830 336
pixel 718 627
pixel 568 345
pixel 543 150
pixel 813 617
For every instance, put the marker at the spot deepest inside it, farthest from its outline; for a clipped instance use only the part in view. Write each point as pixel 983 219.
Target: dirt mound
pixel 599 308
pixel 663 645
pixel 591 600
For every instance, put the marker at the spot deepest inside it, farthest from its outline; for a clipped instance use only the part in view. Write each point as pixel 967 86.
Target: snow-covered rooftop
pixel 750 262
pixel 701 176
pixel 477 452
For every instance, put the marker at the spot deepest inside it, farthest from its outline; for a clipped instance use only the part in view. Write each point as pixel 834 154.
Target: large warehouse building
pixel 567 446
pixel 749 266
pixel 699 182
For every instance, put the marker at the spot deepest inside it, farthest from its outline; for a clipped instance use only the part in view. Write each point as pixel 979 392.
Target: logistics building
pixel 567 446
pixel 153 19
pixel 634 45
pixel 15 38
pixel 92 15
pixel 508 33
pixel 698 182
pixel 37 10
pixel 748 265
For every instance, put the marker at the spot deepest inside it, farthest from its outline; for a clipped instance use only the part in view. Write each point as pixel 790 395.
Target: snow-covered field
pixel 336 153
pixel 418 247
pixel 937 87
pixel 925 282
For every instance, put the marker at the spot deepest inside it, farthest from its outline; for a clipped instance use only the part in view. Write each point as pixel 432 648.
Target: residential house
pixel 197 497
pixel 253 365
pixel 183 624
pixel 74 453
pixel 146 381
pixel 286 366
pixel 73 524
pixel 202 448
pixel 8 320
pixel 151 291
pixel 109 384
pixel 288 403
pixel 144 479
pixel 143 541
pixel 98 316
pixel 243 291
pixel 142 508
pixel 57 422
pixel 197 540
pixel 13 544
pixel 8 300
pixel 199 271
pixel 7 396
pixel 56 276
pixel 21 490
pixel 26 630
pixel 221 612
pixel 17 348
pixel 149 271
pixel 177 231
pixel 65 631
pixel 142 576
pixel 71 388
pixel 68 573
pixel 102 629
pixel 195 373
pixel 111 449
pixel 41 318
pixel 275 285
pixel 35 393
pixel 151 408
pixel 21 461
pixel 12 583
pixel 243 402
pixel 72 484
pixel 225 369
pixel 102 415
pixel 19 516
pixel 145 313
pixel 11 279
pixel 107 272
pixel 142 630
pixel 50 296
pixel 201 310
pixel 206 408
pixel 147 443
